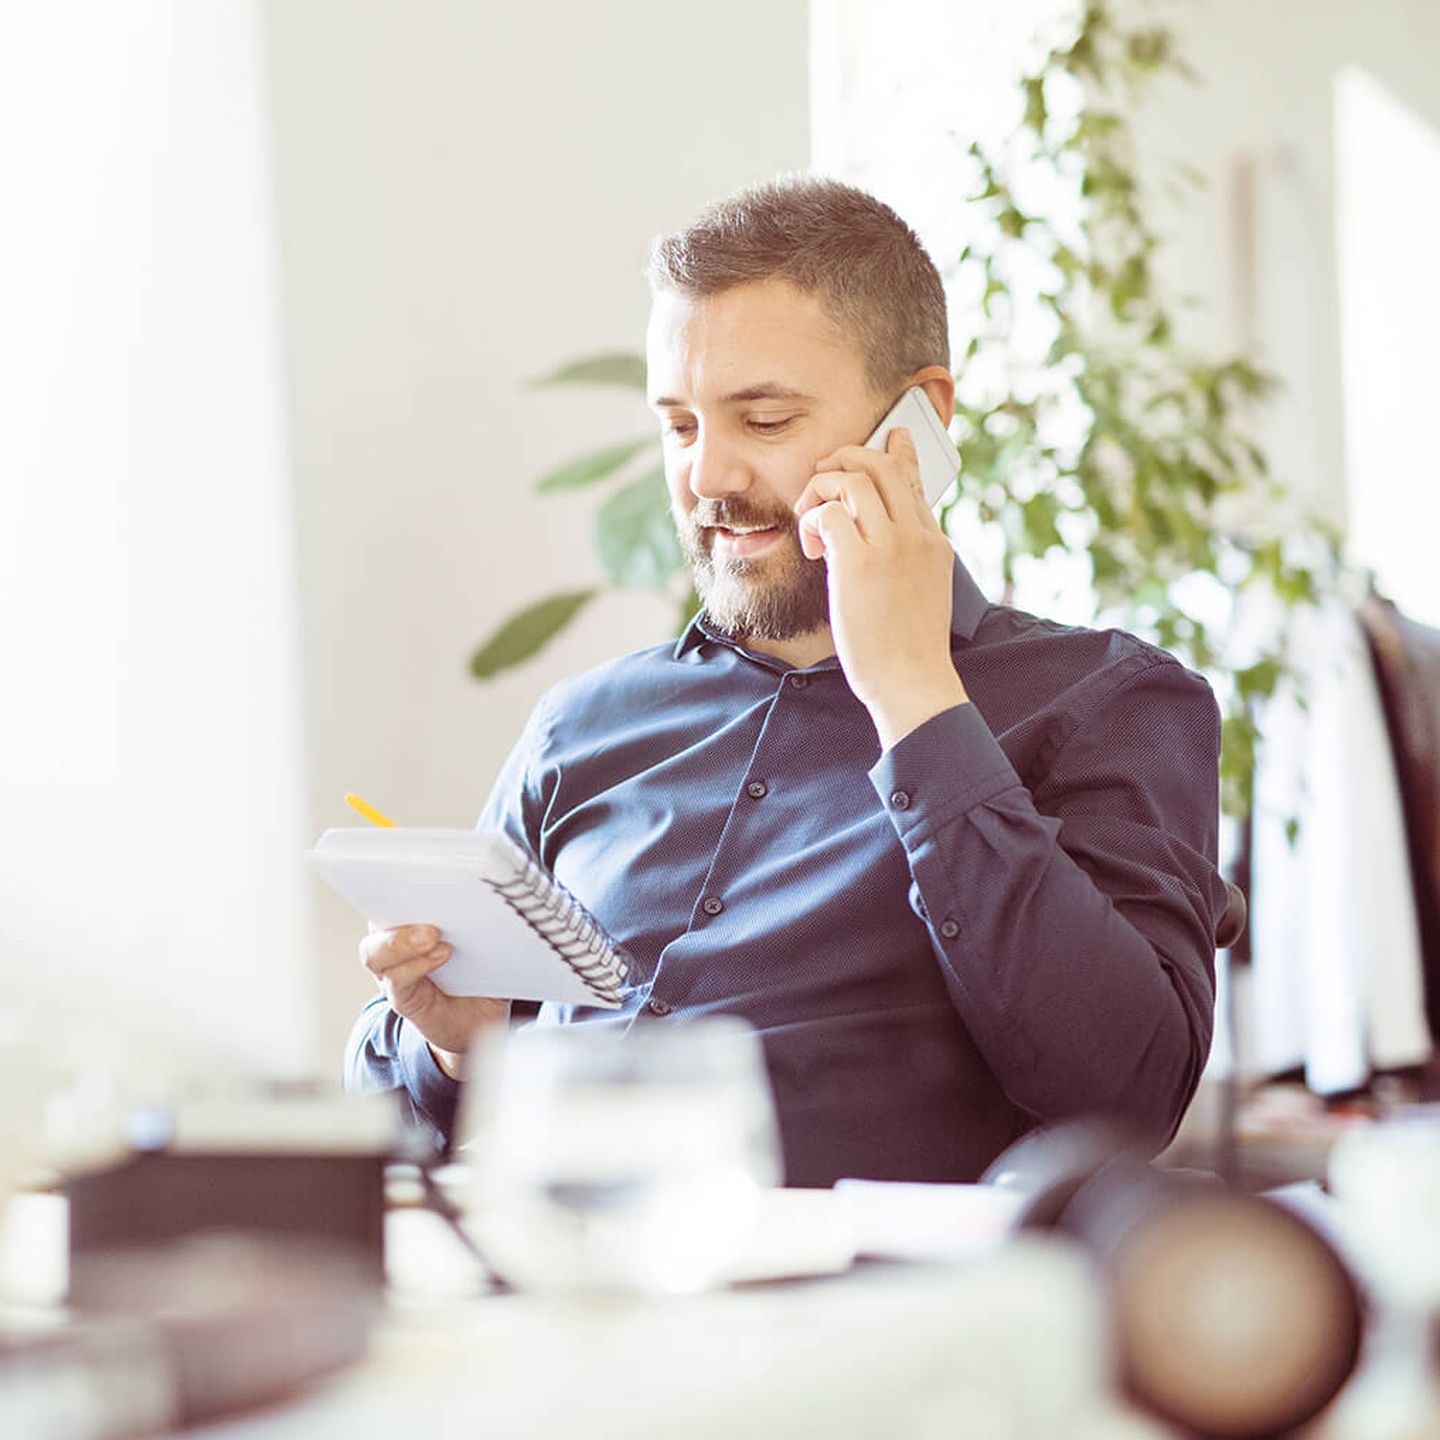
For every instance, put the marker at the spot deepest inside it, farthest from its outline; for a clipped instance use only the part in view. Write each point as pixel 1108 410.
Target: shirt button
pixel 949 929
pixel 712 904
pixel 799 682
pixel 901 800
pixel 756 789
pixel 658 1007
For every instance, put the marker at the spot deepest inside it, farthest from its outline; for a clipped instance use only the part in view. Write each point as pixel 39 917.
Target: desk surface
pixel 884 1351
pixel 1011 1345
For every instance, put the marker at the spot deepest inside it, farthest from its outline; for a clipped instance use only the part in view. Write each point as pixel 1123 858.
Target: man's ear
pixel 939 384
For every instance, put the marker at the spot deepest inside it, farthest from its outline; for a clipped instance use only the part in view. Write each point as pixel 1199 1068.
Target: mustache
pixel 737 514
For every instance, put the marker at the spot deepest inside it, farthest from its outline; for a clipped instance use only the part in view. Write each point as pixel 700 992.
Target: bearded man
pixel 955 863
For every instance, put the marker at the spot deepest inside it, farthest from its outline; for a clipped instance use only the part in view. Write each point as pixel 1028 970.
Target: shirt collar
pixel 967 609
pixel 967 604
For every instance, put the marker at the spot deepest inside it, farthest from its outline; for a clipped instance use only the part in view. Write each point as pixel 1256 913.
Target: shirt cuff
pixel 433 1093
pixel 940 770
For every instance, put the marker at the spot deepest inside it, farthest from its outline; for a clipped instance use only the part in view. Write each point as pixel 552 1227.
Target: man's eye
pixel 770 427
pixel 681 428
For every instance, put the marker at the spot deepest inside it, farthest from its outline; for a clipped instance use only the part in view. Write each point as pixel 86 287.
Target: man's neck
pixel 800 651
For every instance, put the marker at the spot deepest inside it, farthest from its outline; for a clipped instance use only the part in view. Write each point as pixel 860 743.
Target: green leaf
pixel 1035 104
pixel 1132 282
pixel 1097 125
pixel 1258 680
pixel 1040 512
pixel 1237 739
pixel 1295 586
pixel 1150 49
pixel 1257 457
pixel 990 189
pixel 624 368
pixel 1105 566
pixel 587 469
pixel 522 635
pixel 1066 261
pixel 634 535
pixel 1012 221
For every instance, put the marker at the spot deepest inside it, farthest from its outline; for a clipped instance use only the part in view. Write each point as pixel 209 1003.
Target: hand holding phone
pixel 889 566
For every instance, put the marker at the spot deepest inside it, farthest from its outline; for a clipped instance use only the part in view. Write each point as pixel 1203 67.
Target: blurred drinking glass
pixel 617 1162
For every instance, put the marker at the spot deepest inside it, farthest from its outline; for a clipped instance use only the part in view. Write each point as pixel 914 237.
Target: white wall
pixel 1389 219
pixel 150 782
pixel 466 196
pixel 1266 102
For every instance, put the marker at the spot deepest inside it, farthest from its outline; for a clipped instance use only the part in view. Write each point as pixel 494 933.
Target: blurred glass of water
pixel 621 1162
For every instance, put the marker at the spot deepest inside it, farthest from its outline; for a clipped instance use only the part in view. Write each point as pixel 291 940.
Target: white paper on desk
pixel 896 1220
pixel 447 878
pixel 797 1234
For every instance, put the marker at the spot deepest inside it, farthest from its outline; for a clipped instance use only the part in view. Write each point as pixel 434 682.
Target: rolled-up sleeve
pixel 1073 920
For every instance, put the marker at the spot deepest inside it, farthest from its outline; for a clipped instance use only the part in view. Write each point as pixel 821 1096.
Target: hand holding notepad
pixel 401 960
pixel 514 932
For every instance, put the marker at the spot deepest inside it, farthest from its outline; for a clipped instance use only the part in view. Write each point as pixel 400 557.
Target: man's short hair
pixel 866 266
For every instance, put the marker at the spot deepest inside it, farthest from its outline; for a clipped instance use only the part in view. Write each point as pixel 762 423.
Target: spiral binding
pixel 569 928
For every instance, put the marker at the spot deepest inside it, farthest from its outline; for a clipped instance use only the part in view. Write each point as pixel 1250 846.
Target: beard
pixel 774 596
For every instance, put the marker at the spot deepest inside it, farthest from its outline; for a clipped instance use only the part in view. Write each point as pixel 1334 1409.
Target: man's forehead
pixel 759 341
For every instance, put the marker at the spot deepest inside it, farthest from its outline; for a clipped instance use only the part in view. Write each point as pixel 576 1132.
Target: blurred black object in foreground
pixel 162 1339
pixel 1231 1316
pixel 306 1164
pixel 333 1201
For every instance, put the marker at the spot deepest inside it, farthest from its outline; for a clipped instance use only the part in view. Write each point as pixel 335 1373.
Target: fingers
pixel 402 959
pixel 901 442
pixel 401 982
pixel 828 529
pixel 384 951
pixel 856 493
pixel 878 490
pixel 894 473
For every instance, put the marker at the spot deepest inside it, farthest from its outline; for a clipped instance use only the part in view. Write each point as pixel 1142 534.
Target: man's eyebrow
pixel 770 390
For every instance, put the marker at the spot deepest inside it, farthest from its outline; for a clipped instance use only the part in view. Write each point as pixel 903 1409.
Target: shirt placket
pixel 792 693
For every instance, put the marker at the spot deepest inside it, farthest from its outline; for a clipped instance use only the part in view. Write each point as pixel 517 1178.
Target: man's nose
pixel 717 469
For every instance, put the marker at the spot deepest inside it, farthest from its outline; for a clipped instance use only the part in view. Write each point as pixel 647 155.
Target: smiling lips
pixel 741 544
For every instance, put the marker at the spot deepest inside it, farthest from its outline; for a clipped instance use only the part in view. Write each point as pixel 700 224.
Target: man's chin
pixel 740 603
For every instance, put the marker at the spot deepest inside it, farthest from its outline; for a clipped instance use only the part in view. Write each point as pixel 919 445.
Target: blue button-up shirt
pixel 1007 917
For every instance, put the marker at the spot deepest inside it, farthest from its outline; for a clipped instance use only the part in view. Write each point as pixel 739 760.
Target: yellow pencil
pixel 366 809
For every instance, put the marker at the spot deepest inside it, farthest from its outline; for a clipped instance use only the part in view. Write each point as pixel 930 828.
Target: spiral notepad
pixel 515 932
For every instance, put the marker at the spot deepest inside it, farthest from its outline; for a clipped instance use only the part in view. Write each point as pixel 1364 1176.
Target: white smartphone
pixel 939 459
